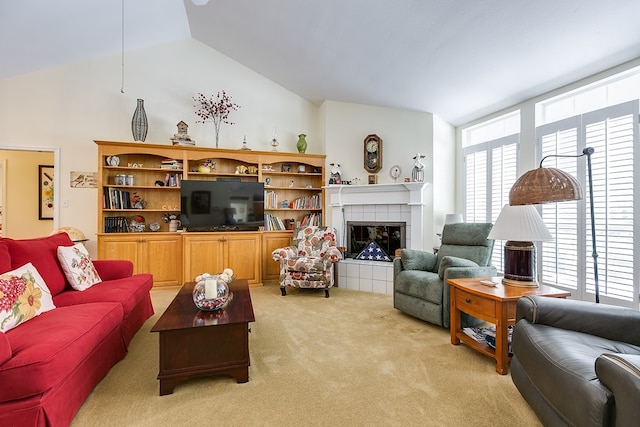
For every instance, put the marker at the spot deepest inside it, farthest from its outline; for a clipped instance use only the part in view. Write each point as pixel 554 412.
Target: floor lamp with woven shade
pixel 550 185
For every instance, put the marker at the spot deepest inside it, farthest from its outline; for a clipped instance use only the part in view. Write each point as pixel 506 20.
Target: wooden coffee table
pixel 496 305
pixel 195 343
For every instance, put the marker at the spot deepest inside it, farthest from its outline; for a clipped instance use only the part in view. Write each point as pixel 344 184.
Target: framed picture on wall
pixel 45 192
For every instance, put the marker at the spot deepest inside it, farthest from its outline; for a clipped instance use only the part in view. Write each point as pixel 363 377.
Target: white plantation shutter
pixel 559 256
pixel 612 136
pixel 567 261
pixel 490 171
pixel 476 186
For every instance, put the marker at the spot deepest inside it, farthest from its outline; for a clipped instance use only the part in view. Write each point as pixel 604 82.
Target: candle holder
pixel 211 293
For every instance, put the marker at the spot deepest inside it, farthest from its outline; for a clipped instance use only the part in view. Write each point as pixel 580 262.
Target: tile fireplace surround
pixel 400 202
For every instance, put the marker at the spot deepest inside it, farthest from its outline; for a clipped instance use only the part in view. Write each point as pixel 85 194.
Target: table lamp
pixel 520 226
pixel 453 218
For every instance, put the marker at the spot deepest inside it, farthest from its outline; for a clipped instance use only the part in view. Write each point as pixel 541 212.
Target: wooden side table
pixel 494 304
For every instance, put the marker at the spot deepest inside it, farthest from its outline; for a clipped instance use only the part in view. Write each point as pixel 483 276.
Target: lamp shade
pixel 453 218
pixel 544 185
pixel 520 223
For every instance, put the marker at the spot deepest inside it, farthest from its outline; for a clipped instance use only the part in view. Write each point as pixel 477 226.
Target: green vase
pixel 302 143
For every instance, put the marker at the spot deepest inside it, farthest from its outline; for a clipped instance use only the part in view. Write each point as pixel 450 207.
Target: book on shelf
pixel 480 334
pixel 116 224
pixel 113 198
pixel 273 223
pixel 308 202
pixel 311 219
pixel 270 199
pixel 171 164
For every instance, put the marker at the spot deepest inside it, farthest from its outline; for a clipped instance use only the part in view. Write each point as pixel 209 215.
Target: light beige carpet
pixel 350 359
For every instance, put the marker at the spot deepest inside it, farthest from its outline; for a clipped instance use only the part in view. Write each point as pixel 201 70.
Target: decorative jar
pixel 302 143
pixel 211 293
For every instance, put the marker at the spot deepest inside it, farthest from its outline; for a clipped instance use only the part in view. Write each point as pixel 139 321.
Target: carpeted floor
pixel 351 359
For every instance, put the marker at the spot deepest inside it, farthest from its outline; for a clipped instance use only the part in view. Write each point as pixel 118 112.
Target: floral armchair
pixel 308 262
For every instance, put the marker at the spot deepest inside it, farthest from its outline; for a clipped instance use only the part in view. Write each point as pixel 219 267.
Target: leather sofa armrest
pixel 620 373
pixel 112 269
pixel 453 261
pixel 464 272
pixel 603 320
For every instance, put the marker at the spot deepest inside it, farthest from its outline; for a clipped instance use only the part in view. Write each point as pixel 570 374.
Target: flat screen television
pixel 222 205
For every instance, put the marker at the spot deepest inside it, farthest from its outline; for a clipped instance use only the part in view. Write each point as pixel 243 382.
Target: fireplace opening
pixel 389 236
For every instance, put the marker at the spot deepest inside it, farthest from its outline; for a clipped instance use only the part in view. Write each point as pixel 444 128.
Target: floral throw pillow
pixel 23 296
pixel 77 266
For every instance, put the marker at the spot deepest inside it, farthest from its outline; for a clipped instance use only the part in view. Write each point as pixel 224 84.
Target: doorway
pixel 19 195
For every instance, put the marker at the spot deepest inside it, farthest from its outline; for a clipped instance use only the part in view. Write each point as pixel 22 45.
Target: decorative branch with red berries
pixel 215 109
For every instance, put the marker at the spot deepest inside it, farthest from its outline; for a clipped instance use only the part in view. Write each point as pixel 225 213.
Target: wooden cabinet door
pixel 203 253
pixel 270 242
pixel 163 254
pixel 160 255
pixel 242 255
pixel 122 247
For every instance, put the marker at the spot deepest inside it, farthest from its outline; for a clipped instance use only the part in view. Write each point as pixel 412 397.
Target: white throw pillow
pixel 23 296
pixel 77 266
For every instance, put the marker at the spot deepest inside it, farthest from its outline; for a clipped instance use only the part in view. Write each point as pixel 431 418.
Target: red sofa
pixel 52 362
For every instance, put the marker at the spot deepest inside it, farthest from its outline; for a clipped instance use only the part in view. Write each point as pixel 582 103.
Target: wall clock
pixel 395 172
pixel 372 153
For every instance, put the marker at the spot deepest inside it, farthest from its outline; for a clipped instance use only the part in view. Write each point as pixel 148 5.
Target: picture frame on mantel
pixel 45 192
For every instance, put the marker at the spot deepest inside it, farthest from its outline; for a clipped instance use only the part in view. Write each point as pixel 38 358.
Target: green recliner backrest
pixel 467 240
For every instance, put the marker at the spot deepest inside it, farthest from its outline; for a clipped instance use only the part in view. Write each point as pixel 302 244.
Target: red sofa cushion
pixel 49 348
pixel 5 348
pixel 128 292
pixel 42 252
pixel 110 269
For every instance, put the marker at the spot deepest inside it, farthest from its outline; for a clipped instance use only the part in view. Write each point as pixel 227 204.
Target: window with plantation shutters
pixel 567 260
pixel 490 171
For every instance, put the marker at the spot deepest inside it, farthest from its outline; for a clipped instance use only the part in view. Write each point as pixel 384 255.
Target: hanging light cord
pixel 122 52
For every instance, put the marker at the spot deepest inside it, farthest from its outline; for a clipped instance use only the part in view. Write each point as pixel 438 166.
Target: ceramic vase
pixel 139 124
pixel 302 143
pixel 174 224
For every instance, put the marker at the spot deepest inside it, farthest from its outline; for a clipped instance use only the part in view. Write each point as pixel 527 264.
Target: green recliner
pixel 419 278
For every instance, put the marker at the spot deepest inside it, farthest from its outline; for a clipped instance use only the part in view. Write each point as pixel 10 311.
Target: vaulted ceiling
pixel 459 59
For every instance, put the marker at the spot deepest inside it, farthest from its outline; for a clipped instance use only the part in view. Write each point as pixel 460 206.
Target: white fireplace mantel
pixel 378 197
pixel 402 193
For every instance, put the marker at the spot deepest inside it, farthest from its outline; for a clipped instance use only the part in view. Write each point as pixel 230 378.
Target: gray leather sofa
pixel 577 363
pixel 419 278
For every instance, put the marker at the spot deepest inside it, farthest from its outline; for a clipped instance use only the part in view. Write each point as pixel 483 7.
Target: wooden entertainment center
pixel 139 179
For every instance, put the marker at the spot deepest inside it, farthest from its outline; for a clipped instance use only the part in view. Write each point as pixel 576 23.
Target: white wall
pixel 70 106
pixel 444 175
pixel 404 134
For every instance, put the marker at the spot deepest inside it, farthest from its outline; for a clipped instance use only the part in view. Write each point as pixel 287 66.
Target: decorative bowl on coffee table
pixel 211 294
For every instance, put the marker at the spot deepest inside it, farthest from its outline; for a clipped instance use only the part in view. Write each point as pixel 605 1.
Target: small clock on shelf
pixel 372 153
pixel 395 172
